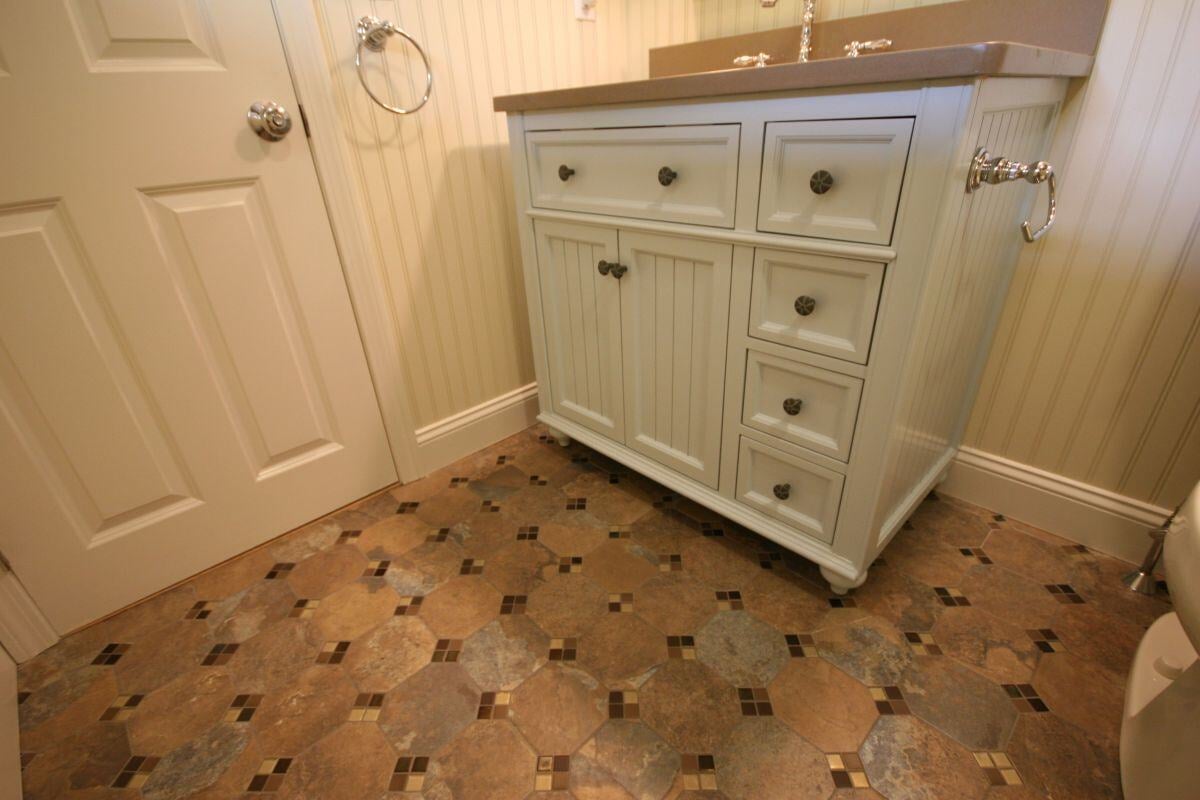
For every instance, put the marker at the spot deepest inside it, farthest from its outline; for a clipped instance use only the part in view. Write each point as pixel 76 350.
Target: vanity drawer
pixel 818 303
pixel 802 404
pixel 800 494
pixel 834 179
pixel 685 173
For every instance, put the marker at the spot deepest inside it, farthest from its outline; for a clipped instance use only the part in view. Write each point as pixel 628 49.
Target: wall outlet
pixel 585 10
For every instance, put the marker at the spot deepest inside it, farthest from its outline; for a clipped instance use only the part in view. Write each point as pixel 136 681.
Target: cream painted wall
pixel 1094 374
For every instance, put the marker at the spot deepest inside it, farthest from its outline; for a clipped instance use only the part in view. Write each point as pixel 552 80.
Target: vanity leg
pixel 560 437
pixel 839 584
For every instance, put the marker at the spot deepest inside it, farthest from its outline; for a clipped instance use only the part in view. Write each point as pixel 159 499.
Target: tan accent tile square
pixel 471 566
pixel 1046 640
pixel 998 768
pixel 553 773
pixel 135 772
pixel 367 707
pixel 376 569
pixel 617 533
pixel 670 562
pixel 408 508
pixel 270 775
pixel 623 704
pixel 333 652
pixel 699 772
pixel 489 506
pixel 847 771
pixel 243 707
pixel 279 571
pixel 220 654
pixel 681 647
pixel 570 564
pixel 730 601
pixel 801 645
pixel 409 606
pixel 459 481
pixel 513 604
pixel 304 608
pixel 122 708
pixel 527 533
pixel 621 603
pixel 922 643
pixel 442 535
pixel 494 705
pixel 537 480
pixel 348 537
pixel 563 649
pixel 447 650
pixel 201 610
pixel 409 774
pixel 951 597
pixel 889 700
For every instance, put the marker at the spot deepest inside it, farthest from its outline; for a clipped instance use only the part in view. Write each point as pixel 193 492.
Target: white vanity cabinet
pixel 776 305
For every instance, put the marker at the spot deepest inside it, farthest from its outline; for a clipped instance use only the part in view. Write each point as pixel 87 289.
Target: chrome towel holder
pixel 373 34
pixel 986 169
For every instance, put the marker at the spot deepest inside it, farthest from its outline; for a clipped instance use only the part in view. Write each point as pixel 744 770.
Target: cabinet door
pixel 674 324
pixel 581 309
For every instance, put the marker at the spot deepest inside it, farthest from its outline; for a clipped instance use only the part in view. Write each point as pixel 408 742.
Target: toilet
pixel 1160 732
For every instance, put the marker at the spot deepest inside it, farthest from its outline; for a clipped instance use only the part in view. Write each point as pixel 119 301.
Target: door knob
pixel 783 490
pixel 667 176
pixel 270 121
pixel 821 181
pixel 792 406
pixel 805 305
pixel 565 172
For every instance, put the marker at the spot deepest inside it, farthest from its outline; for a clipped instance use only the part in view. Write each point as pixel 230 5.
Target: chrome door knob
pixel 270 121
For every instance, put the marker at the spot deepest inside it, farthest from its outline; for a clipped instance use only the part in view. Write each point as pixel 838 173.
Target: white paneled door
pixel 181 377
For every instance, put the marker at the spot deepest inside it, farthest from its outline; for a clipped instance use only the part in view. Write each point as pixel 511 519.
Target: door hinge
pixel 5 564
pixel 304 121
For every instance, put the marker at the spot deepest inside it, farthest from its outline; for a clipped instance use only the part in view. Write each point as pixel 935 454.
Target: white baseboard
pixel 449 439
pixel 1089 515
pixel 24 630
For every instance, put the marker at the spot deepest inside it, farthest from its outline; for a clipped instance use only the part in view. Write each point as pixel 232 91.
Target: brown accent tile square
pixel 1025 698
pixel 407 508
pixel 502 460
pixel 847 771
pixel 513 604
pixel 951 597
pixel 623 704
pixel 494 705
pixel 527 533
pixel 553 773
pixel 922 643
pixel 442 535
pixel 977 554
pixel 201 610
pixel 801 645
pixel 1064 593
pixel 347 537
pixel 367 707
pixel 621 603
pixel 730 600
pixel 122 708
pixel 755 702
pixel 563 649
pixel 489 506
pixel 664 500
pixel 709 530
pixel 220 654
pixel 409 606
pixel 570 564
pixel 670 562
pixel 243 707
pixel 537 480
pixel 459 480
pixel 333 652
pixel 1045 640
pixel 279 571
pixel 304 608
pixel 842 602
pixel 376 569
pixel 26 760
pixel 409 774
pixel 447 650
pixel 577 504
pixel 270 775
pixel 999 769
pixel 699 772
pixel 617 533
pixel 889 700
pixel 471 566
pixel 110 654
pixel 681 647
pixel 135 772
pixel 22 697
pixel 770 560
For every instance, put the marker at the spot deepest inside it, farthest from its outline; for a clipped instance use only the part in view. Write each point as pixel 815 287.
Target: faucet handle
pixel 759 60
pixel 855 47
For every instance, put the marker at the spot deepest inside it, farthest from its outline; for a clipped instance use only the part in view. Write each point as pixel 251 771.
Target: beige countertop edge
pixel 983 59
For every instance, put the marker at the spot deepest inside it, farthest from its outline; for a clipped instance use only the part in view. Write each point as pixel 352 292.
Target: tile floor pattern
pixel 429 641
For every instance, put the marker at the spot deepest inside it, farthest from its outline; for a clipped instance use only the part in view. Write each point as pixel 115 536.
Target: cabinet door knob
pixel 618 270
pixel 820 182
pixel 783 490
pixel 564 172
pixel 805 305
pixel 792 405
pixel 603 267
pixel 667 176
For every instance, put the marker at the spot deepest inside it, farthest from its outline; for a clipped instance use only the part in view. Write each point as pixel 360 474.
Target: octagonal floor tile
pixel 567 604
pixel 823 704
pixel 621 649
pixel 461 606
pixel 488 759
pixel 974 711
pixel 1057 758
pixel 426 711
pixel 741 648
pixel 690 706
pixel 762 757
pixel 558 708
pixel 675 603
pixel 905 759
pixel 506 651
pixel 390 654
pixel 623 759
pixel 1002 652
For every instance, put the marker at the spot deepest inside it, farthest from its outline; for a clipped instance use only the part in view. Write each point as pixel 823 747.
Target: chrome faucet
pixel 806 21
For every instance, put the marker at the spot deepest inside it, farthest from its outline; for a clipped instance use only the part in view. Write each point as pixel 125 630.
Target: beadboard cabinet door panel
pixel 582 312
pixel 674 325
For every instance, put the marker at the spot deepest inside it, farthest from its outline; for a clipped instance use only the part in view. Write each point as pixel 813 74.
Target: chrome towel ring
pixel 373 34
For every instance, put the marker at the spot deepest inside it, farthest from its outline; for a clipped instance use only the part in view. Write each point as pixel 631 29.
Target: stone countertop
pixel 973 60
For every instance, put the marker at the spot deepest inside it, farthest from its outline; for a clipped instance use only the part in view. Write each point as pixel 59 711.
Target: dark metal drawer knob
pixel 792 406
pixel 783 490
pixel 611 268
pixel 667 176
pixel 820 182
pixel 618 270
pixel 565 172
pixel 805 305
pixel 604 267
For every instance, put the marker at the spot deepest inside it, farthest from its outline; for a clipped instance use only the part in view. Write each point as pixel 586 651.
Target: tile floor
pixel 539 620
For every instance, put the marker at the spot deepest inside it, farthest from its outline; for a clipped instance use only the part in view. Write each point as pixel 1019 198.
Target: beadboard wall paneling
pixel 1095 371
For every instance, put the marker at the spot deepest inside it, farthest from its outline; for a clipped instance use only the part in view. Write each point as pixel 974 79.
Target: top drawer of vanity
pixel 834 179
pixel 685 173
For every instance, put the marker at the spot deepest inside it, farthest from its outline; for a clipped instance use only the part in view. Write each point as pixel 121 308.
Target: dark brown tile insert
pixel 243 707
pixel 442 535
pixel 494 705
pixel 670 562
pixel 847 771
pixel 801 645
pixel 408 507
pixel 755 702
pixel 1045 639
pixel 347 537
pixel 527 533
pixel 681 647
pixel 111 654
pixel 998 768
pixel 843 602
pixel 471 566
pixel 376 569
pixel 976 553
pixel 730 600
pixel 1064 593
pixel 951 597
pixel 367 707
pixel 620 603
pixel 447 650
pixel 513 604
pixel 564 649
pixel 577 504
pixel 409 606
pixel 333 652
pixel 220 654
pixel 304 608
pixel 922 643
pixel 623 704
pixel 135 772
pixel 270 775
pixel 278 571
pixel 409 774
pixel 889 700
pixel 201 610
pixel 699 772
pixel 122 708
pixel 1025 697
pixel 570 565
pixel 553 773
